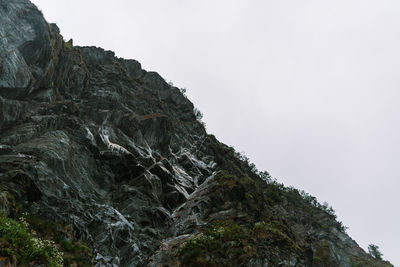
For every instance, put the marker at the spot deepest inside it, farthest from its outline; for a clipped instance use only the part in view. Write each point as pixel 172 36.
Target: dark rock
pixel 116 152
pixel 26 48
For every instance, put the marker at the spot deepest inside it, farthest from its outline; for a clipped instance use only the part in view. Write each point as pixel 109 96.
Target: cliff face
pixel 96 145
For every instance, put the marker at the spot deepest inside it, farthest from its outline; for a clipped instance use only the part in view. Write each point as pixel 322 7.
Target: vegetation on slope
pixel 17 241
pixel 249 222
pixel 226 243
pixel 26 239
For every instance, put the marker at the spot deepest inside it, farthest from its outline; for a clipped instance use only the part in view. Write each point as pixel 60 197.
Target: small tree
pixel 374 251
pixel 199 117
pixel 198 114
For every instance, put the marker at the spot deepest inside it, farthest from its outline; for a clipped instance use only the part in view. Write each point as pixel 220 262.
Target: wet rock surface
pixel 97 142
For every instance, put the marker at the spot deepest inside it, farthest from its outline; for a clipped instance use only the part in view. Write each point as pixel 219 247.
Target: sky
pixel 308 90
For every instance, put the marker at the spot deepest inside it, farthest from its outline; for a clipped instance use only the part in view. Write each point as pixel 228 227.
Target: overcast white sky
pixel 309 90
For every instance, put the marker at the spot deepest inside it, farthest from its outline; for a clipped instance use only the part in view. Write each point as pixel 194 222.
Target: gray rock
pixel 99 143
pixel 27 50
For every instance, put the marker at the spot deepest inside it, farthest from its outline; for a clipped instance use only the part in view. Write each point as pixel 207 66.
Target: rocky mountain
pixel 103 163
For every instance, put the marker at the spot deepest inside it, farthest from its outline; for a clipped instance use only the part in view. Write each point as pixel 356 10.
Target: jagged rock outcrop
pixel 118 155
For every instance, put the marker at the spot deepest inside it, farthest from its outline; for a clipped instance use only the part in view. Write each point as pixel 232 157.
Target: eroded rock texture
pixel 117 153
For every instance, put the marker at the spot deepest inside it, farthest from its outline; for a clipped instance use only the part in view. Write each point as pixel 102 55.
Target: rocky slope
pixel 95 149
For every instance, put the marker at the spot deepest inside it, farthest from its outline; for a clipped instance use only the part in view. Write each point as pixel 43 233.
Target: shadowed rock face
pixel 99 143
pixel 26 48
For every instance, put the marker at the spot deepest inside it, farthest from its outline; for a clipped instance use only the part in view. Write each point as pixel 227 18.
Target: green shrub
pixel 74 252
pixel 67 45
pixel 373 250
pixel 18 241
pixel 229 244
pixel 275 233
pixel 224 241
